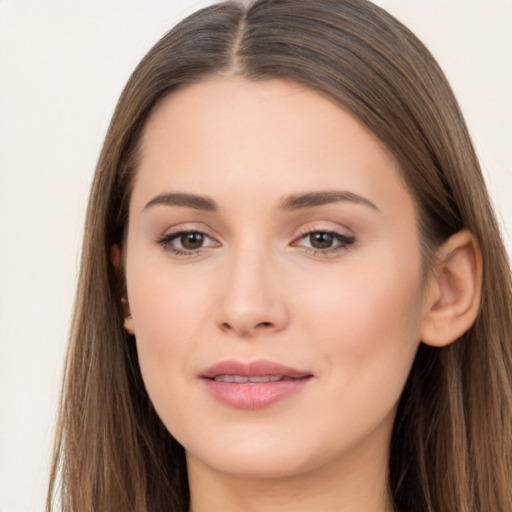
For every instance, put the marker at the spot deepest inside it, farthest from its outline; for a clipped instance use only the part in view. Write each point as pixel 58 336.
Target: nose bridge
pixel 252 301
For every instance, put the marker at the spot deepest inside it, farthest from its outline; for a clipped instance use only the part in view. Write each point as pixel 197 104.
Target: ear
pixel 116 259
pixel 453 298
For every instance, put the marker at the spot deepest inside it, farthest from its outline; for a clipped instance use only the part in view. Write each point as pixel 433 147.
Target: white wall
pixel 62 67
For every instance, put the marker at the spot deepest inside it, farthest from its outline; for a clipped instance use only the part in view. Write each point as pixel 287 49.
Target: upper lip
pixel 258 368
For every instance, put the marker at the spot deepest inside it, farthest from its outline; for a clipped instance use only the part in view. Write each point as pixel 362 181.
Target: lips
pixel 242 379
pixel 253 385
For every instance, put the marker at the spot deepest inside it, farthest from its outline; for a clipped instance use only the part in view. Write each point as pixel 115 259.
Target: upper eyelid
pixel 176 234
pixel 344 231
pixel 185 228
pixel 322 228
pixel 168 235
pixel 341 237
pixel 329 231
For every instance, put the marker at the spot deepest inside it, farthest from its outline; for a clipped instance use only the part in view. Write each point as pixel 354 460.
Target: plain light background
pixel 62 67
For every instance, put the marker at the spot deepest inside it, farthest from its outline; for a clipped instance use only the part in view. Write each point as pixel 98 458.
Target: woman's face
pixel 274 278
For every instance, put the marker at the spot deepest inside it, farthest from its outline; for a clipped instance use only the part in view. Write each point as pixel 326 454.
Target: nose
pixel 253 299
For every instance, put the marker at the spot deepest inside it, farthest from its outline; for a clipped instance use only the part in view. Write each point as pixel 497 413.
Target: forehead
pixel 231 137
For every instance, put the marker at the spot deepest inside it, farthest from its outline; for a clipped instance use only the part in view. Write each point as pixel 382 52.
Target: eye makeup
pixel 315 241
pixel 318 242
pixel 186 242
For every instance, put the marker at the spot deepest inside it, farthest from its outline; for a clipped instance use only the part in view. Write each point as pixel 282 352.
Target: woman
pixel 293 291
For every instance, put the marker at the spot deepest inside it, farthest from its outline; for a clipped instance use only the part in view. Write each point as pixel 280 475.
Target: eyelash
pixel 344 242
pixel 166 240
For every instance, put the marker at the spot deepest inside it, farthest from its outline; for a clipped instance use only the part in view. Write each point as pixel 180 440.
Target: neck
pixel 339 486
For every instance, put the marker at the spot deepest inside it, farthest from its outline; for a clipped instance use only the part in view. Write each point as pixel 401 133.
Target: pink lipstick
pixel 253 385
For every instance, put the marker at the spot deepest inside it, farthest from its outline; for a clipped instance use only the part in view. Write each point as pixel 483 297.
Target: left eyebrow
pixel 185 200
pixel 311 199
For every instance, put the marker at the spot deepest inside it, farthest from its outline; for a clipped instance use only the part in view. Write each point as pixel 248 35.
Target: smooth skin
pixel 333 284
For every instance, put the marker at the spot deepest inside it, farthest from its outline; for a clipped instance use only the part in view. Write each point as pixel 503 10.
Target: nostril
pixel 245 330
pixel 248 328
pixel 264 324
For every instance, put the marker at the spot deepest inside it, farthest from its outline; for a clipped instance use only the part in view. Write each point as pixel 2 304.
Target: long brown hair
pixel 451 448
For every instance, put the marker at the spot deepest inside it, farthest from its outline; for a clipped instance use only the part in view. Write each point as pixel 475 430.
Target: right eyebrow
pixel 187 200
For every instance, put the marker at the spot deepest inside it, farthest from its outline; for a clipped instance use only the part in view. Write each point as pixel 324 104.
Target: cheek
pixel 169 311
pixel 369 322
pixel 168 303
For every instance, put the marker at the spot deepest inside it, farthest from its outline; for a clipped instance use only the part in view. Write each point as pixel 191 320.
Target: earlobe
pixel 128 320
pixel 453 299
pixel 128 325
pixel 115 258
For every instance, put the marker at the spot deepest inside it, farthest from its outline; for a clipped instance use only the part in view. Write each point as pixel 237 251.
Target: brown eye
pixel 187 243
pixel 192 240
pixel 321 240
pixel 324 242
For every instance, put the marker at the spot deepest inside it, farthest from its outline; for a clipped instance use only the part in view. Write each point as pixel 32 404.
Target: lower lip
pixel 254 395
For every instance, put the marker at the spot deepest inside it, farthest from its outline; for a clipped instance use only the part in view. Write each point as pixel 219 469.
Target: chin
pixel 269 457
pixel 261 466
